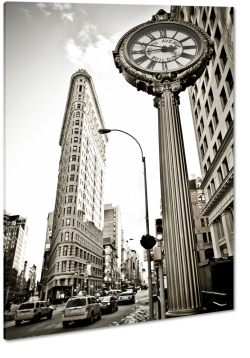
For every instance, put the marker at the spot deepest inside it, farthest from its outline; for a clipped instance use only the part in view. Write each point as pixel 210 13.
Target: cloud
pixel 92 50
pixel 42 6
pixel 68 16
pixel 83 11
pixel 60 6
pixel 26 12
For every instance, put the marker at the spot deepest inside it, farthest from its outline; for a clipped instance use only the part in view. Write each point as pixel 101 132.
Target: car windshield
pixel 125 294
pixel 76 303
pixel 106 299
pixel 26 306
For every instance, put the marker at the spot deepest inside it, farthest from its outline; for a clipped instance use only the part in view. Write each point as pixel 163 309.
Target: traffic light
pixel 158 229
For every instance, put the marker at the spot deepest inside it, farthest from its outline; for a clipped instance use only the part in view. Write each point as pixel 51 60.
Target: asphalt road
pixel 54 325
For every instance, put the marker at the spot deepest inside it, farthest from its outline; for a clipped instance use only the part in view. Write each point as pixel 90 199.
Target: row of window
pixel 206 236
pixel 222 172
pixel 74 266
pixel 68 250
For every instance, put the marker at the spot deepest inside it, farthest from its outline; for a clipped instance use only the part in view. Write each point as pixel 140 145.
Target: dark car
pixel 144 287
pixel 126 297
pixel 109 304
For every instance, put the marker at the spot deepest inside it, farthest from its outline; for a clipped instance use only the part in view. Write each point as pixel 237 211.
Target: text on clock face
pixel 163 50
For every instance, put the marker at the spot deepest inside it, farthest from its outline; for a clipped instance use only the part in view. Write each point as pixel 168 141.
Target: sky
pixel 44 45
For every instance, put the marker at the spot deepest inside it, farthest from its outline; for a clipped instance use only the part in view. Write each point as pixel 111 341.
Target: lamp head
pixel 104 131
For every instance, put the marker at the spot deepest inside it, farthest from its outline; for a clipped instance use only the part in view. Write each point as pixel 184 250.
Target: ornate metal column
pixel 184 292
pixel 162 57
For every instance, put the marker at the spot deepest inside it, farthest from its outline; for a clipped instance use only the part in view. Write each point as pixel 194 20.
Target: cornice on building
pixel 219 193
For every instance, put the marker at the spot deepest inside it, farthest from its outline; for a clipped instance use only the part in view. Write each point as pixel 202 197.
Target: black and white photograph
pixel 118 169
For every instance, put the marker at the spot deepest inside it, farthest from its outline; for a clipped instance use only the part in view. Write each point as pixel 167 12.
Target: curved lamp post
pixel 104 131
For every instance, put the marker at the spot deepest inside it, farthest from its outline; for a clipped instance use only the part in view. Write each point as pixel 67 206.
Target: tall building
pixel 112 227
pixel 212 104
pixel 203 237
pixel 15 240
pixel 76 246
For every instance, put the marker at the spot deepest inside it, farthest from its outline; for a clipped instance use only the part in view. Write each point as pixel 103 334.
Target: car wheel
pixel 18 323
pixel 65 324
pixel 112 309
pixel 49 315
pixel 91 318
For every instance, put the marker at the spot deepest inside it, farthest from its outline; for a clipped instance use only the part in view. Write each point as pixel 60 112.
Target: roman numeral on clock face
pixel 133 52
pixel 163 33
pixel 186 55
pixel 151 36
pixel 141 59
pixel 151 65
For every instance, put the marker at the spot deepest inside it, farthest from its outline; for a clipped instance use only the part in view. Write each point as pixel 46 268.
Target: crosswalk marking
pixel 37 327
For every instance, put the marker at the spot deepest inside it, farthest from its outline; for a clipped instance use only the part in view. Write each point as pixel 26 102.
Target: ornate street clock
pixel 163 50
pixel 163 57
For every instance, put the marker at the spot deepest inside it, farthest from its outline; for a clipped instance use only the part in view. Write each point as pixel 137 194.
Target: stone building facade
pixel 76 247
pixel 203 236
pixel 212 104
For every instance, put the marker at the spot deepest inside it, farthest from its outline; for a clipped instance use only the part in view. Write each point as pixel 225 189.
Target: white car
pixel 33 311
pixel 81 308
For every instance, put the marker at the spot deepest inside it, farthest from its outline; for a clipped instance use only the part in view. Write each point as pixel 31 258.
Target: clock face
pixel 163 47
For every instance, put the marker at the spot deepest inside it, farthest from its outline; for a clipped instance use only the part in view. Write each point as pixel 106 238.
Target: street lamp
pixel 105 131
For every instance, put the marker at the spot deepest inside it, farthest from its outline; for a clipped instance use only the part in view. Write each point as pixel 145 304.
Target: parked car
pixel 131 289
pixel 81 308
pixel 144 287
pixel 10 313
pixel 33 311
pixel 109 304
pixel 126 297
pixel 113 293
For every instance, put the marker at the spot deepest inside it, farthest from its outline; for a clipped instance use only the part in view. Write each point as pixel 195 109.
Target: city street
pixel 54 325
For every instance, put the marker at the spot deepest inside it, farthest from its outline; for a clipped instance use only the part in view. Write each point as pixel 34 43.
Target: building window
pixel 229 120
pixel 219 140
pixel 205 144
pixel 67 222
pixel 73 167
pixel 215 119
pixel 229 82
pixel 71 177
pixel 203 89
pixel 209 192
pixel 231 12
pixel 193 100
pixel 223 58
pixel 207 108
pixel 202 151
pixel 204 236
pixel 208 31
pixel 217 75
pixel 209 236
pixel 69 210
pixel 210 96
pixel 77 114
pixel 206 76
pixel 200 208
pixel 199 133
pixel 225 166
pixel 212 17
pixel 211 129
pixel 205 169
pixel 75 139
pixel 65 250
pixel 219 175
pixel 78 106
pixel 217 36
pixel 196 115
pixel 202 125
pixel 74 148
pixel 215 149
pixel 204 18
pixel 198 106
pixel 73 158
pixel 208 163
pixel 77 122
pixel 66 236
pixel 202 222
pixel 76 130
pixel 64 266
pixel 212 187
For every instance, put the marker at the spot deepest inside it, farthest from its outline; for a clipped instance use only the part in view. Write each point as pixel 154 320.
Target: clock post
pixel 163 57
